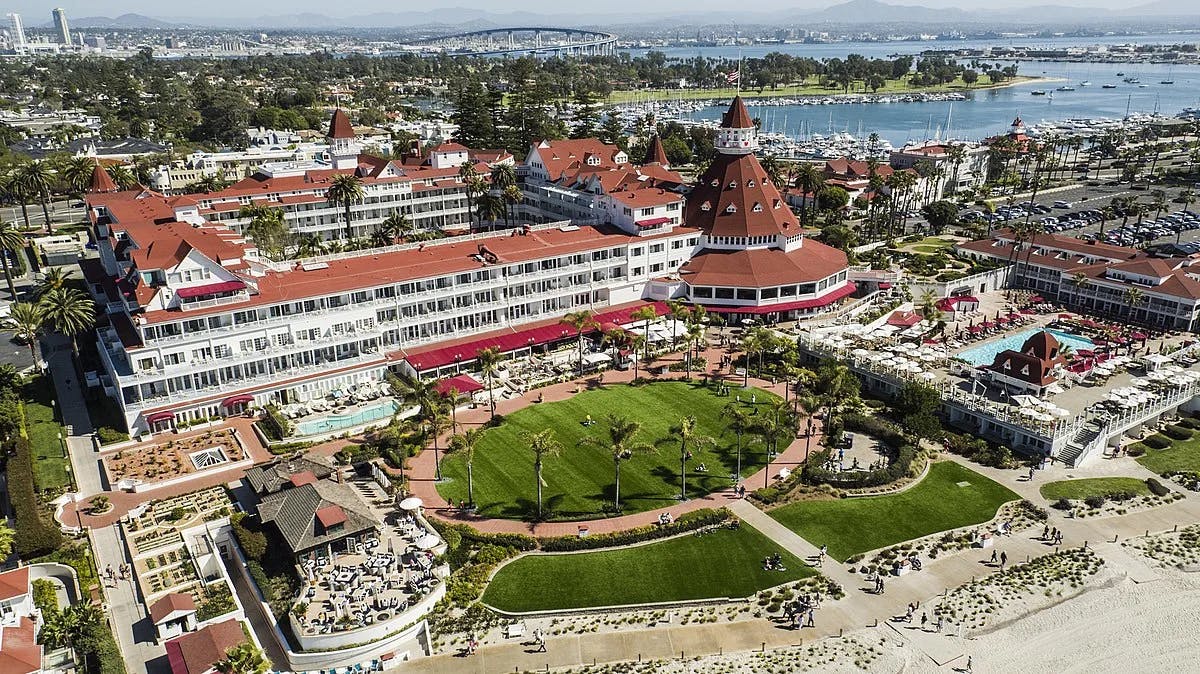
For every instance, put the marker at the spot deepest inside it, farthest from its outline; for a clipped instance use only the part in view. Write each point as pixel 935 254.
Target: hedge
pixel 1157 488
pixel 274 425
pixel 1157 441
pixel 691 521
pixel 518 541
pixel 815 473
pixel 34 536
pixel 1189 422
pixel 884 431
pixel 1177 432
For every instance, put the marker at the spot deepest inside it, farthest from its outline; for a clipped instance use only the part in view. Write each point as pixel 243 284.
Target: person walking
pixel 541 639
pixel 1003 559
pixel 940 622
pixel 993 561
pixel 968 664
pixel 924 619
pixel 908 616
pixel 811 615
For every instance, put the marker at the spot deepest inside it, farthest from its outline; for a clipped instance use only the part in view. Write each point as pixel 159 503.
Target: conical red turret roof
pixel 655 154
pixel 101 181
pixel 737 117
pixel 339 126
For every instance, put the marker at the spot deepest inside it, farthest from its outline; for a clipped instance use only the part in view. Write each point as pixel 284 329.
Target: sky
pixel 34 10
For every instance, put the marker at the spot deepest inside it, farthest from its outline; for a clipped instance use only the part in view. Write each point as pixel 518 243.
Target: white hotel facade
pixel 199 325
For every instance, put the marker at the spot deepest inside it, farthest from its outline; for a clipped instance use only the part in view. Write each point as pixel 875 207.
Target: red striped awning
pixel 210 289
pixel 237 400
pixel 160 416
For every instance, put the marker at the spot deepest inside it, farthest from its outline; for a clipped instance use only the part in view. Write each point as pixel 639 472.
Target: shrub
pixel 1177 432
pixel 1136 449
pixel 1061 504
pixel 289 447
pixel 1157 441
pixel 1157 488
pixel 1189 422
pixel 1095 500
pixel 274 424
pixel 696 519
pixel 110 436
pixel 253 543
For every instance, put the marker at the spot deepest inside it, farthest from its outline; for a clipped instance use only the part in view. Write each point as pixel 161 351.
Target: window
pixel 706 206
pixel 731 209
pixel 769 293
pixel 637 271
pixel 657 248
pixel 676 245
pixel 656 267
pixel 702 291
pixel 747 294
pixel 723 293
pixel 638 251
pixel 757 207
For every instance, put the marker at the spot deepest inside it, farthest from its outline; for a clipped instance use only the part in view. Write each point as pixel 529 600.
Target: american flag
pixel 733 76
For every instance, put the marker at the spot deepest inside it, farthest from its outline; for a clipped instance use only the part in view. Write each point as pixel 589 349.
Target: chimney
pixel 414 148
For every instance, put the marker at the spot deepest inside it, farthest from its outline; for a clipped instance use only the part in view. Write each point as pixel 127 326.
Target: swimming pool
pixel 985 354
pixel 337 422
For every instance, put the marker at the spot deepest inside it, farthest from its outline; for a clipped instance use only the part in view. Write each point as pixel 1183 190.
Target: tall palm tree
pixel 512 197
pixel 1079 282
pixel 345 190
pixel 12 190
pixel 689 438
pixel 68 311
pixel 11 241
pixel 1133 299
pixel 581 321
pixel 122 177
pixel 678 311
pixel 738 420
pixel 693 340
pixel 621 444
pixel 490 207
pixel 542 444
pixel 26 320
pixel 635 342
pixel 36 179
pixel 244 658
pixel 396 226
pixel 438 420
pixel 489 360
pixel 464 445
pixel 809 180
pixel 928 305
pixel 77 174
pixel 469 177
pixel 645 314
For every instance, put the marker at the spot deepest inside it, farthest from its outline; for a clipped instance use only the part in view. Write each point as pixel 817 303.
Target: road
pixel 62 212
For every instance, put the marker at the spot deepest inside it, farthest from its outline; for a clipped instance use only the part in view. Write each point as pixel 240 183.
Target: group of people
pixel 802 612
pixel 1052 535
pixel 774 563
pixel 111 577
pixel 939 620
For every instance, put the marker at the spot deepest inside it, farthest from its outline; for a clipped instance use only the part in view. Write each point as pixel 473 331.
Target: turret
pixel 343 144
pixel 737 134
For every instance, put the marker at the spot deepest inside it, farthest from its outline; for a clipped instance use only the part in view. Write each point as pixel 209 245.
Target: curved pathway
pixel 421 468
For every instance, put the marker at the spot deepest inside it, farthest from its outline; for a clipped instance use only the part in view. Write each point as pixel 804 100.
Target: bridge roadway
pixel 590 42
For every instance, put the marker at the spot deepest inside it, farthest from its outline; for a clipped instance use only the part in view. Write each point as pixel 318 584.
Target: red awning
pixel 160 416
pixel 884 285
pixel 520 339
pixel 237 400
pixel 210 289
pixel 463 383
pixel 652 222
pixel 844 291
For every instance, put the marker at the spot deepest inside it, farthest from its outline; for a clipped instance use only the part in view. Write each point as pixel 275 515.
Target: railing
pixel 215 302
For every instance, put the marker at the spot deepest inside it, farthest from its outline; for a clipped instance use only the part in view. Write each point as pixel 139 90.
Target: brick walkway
pixel 421 468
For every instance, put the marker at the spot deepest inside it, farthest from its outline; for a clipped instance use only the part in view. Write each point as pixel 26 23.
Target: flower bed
pixel 172 459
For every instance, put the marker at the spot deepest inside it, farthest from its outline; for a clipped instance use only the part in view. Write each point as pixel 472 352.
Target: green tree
pixel 268 230
pixel 464 444
pixel 69 312
pixel 6 540
pixel 11 241
pixel 26 319
pixel 542 444
pixel 581 322
pixel 917 406
pixel 35 179
pixel 622 444
pixel 646 314
pixel 489 360
pixel 345 190
pixel 689 438
pixel 940 215
pixel 244 658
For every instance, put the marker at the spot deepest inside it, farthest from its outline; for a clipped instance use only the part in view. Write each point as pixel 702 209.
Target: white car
pixel 1062 204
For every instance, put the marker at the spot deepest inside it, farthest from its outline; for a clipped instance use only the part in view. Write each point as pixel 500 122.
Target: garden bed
pixel 175 458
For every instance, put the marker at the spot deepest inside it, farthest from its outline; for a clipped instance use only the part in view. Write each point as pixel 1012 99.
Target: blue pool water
pixel 338 422
pixel 985 354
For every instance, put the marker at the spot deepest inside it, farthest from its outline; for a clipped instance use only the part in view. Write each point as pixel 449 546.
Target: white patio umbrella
pixel 913 367
pixel 428 542
pixel 1060 412
pixel 411 503
pixel 928 376
pixel 860 352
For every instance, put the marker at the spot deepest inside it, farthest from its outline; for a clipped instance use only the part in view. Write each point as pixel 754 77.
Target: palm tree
pixel 635 342
pixel 469 176
pixel 53 278
pixel 489 360
pixel 77 174
pixel 308 245
pixel 122 177
pixel 928 305
pixel 621 445
pixel 646 314
pixel 689 437
pixel 490 207
pixel 464 444
pixel 614 337
pixel 809 180
pixel 693 340
pixel 542 444
pixel 580 321
pixel 11 241
pixel 36 179
pixel 244 658
pixel 26 320
pixel 12 190
pixel 1079 282
pixel 68 311
pixel 437 420
pixel 396 225
pixel 345 190
pixel 1133 298
pixel 740 422
pixel 678 311
pixel 512 196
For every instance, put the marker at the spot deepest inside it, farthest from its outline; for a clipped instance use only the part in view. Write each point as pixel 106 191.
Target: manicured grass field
pixel 49 463
pixel 1184 455
pixel 724 563
pixel 937 503
pixel 578 483
pixel 1093 486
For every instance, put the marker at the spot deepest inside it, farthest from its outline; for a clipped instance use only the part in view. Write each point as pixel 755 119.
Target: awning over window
pixel 237 400
pixel 160 416
pixel 463 383
pixel 652 222
pixel 210 289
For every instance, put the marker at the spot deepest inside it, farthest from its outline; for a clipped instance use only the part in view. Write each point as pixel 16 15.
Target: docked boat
pixel 1085 83
pixel 1167 82
pixel 1065 87
pixel 1037 92
pixel 1108 86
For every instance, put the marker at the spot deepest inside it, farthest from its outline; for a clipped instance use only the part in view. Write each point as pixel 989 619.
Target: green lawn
pixel 721 564
pixel 1093 486
pixel 578 483
pixel 50 466
pixel 1184 455
pixel 855 525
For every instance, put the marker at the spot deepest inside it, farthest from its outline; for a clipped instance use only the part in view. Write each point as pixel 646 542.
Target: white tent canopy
pixel 596 358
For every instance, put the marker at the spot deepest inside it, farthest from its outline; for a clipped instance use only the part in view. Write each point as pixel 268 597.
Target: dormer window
pixel 706 206
pixel 731 209
pixel 732 185
pixel 1008 365
pixel 757 207
pixel 715 182
pixel 1025 370
pixel 750 182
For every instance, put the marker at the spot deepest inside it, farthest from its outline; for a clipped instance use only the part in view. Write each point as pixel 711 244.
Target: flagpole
pixel 739 78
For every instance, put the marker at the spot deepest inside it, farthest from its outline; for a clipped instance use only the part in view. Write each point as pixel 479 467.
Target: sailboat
pixel 1085 83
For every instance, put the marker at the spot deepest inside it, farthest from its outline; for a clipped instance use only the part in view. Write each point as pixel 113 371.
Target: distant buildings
pixel 60 25
pixel 16 32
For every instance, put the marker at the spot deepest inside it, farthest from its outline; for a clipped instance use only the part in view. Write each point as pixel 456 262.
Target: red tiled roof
pixel 171 603
pixel 570 156
pixel 339 125
pixel 20 653
pixel 101 181
pixel 197 652
pixel 655 153
pixel 14 583
pixel 451 147
pixel 302 478
pixel 331 515
pixel 737 117
pixel 738 182
pixel 463 383
pixel 905 319
pixel 763 267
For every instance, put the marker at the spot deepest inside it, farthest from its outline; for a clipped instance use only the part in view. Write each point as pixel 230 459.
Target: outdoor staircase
pixel 1078 447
